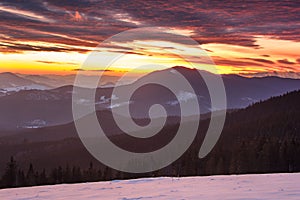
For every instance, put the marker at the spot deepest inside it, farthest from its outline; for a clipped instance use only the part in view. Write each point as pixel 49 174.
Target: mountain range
pixel 16 82
pixel 10 82
pixel 263 137
pixel 44 106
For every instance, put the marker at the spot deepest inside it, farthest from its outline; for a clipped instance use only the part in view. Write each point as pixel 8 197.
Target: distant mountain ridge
pixel 55 81
pixel 11 82
pixel 39 108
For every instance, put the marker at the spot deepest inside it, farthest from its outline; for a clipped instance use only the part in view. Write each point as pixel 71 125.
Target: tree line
pixel 17 177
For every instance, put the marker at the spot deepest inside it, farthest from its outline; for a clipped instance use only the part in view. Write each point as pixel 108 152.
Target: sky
pixel 250 38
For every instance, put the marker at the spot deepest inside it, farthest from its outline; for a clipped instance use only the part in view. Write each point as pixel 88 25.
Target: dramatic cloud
pixel 80 25
pixel 209 21
pixel 58 63
pixel 285 61
pixel 236 62
pixel 261 60
pixel 24 13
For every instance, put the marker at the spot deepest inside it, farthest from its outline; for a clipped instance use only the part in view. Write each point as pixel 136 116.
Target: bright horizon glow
pixel 63 63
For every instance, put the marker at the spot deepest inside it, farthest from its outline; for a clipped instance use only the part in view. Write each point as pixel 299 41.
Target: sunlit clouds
pixel 24 13
pixel 277 57
pixel 250 39
pixel 77 16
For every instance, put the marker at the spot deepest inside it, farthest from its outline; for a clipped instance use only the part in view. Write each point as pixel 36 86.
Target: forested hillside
pixel 262 138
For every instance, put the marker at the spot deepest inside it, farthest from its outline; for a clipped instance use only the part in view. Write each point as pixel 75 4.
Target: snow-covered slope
pixel 266 186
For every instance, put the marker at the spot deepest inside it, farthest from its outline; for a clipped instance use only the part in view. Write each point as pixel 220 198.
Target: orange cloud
pixel 77 17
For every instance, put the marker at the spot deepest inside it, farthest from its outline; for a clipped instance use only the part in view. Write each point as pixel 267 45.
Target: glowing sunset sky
pixel 55 37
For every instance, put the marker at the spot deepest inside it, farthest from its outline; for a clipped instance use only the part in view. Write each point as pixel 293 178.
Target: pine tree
pixel 31 176
pixel 21 181
pixel 67 175
pixel 9 178
pixel 43 178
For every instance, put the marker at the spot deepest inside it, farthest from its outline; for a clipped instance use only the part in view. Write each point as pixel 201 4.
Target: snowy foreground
pixel 268 186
